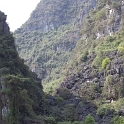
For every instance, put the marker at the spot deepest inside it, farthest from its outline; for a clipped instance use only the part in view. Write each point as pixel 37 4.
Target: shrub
pixel 98 60
pixel 104 110
pixel 70 112
pixel 117 120
pixel 105 62
pixel 84 56
pixel 64 93
pixel 121 48
pixel 101 14
pixel 50 120
pixel 89 120
pixel 101 112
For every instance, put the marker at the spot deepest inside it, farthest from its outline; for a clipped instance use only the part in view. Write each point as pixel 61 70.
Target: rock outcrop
pixel 87 75
pixel 50 15
pixel 55 26
pixel 15 80
pixel 4 28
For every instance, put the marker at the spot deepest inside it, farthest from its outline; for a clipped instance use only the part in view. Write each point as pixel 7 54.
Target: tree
pixel 89 120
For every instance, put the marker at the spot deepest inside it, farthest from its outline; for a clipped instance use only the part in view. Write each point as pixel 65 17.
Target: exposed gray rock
pixel 59 11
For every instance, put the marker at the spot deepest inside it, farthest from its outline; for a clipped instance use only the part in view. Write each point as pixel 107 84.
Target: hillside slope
pixel 100 51
pixel 96 70
pixel 21 94
pixel 48 38
pixel 91 52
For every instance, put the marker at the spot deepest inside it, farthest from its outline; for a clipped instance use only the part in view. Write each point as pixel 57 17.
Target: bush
pixel 70 112
pixel 98 60
pixel 121 49
pixel 105 62
pixel 64 93
pixel 50 120
pixel 101 14
pixel 101 112
pixel 89 120
pixel 84 56
pixel 117 120
pixel 104 110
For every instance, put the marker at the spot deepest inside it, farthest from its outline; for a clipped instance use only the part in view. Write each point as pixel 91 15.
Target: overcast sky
pixel 17 11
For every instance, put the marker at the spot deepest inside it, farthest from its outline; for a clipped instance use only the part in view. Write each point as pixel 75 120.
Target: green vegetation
pixel 105 62
pixel 111 108
pixel 117 120
pixel 105 110
pixel 113 88
pixel 46 44
pixel 18 85
pixel 89 120
pixel 50 120
pixel 89 56
pixel 49 88
pixel 121 49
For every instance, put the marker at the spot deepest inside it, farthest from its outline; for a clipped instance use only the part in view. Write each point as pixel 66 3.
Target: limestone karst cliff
pixel 48 38
pixel 81 60
pixel 18 85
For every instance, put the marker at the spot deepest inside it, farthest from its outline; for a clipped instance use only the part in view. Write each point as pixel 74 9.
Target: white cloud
pixel 17 11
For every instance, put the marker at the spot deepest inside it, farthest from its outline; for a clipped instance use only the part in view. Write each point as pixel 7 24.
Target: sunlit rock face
pixel 50 15
pixel 113 21
pixel 53 27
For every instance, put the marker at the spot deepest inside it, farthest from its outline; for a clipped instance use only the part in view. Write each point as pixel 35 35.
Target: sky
pixel 17 11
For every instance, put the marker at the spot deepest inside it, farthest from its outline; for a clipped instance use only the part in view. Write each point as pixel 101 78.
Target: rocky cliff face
pixel 50 15
pixel 4 100
pixel 95 72
pixel 48 38
pixel 15 78
pixel 112 21
pixel 91 62
pixel 87 75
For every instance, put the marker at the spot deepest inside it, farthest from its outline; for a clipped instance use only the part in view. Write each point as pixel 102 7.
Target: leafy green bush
pixel 101 14
pixel 117 120
pixel 98 60
pixel 121 49
pixel 64 93
pixel 105 62
pixel 50 120
pixel 70 112
pixel 84 56
pixel 89 120
pixel 105 110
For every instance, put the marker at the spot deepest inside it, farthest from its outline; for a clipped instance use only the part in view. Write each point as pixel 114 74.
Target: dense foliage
pixel 21 94
pixel 47 39
pixel 88 54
